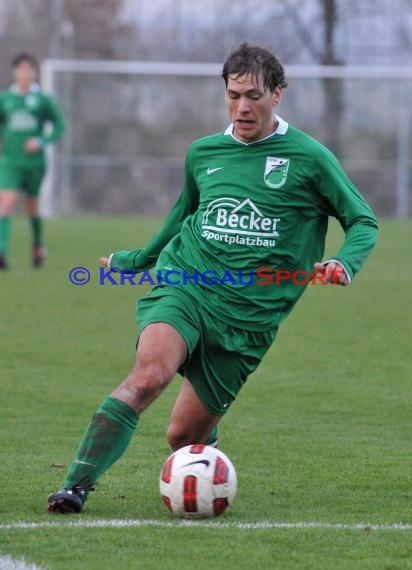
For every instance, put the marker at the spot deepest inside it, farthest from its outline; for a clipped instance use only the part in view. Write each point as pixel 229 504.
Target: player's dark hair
pixel 24 57
pixel 256 61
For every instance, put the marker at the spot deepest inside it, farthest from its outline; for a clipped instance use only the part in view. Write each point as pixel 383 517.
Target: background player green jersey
pixel 24 116
pixel 29 119
pixel 250 205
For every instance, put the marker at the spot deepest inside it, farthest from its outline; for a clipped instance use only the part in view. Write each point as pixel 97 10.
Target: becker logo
pixel 232 221
pixel 22 120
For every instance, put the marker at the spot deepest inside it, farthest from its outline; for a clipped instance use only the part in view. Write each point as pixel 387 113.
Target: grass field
pixel 320 436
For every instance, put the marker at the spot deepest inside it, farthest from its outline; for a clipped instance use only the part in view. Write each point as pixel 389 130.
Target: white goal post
pixel 401 112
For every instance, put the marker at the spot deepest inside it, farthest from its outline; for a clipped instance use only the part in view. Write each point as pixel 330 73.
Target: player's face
pixel 24 74
pixel 251 107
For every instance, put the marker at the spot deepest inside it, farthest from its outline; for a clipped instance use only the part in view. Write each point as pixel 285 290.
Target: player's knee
pixel 142 385
pixel 152 376
pixel 176 438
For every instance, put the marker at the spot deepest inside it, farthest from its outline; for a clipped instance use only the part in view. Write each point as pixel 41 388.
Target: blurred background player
pixel 24 112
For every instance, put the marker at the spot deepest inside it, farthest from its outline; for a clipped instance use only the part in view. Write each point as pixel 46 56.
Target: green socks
pixel 37 230
pixel 105 440
pixel 5 233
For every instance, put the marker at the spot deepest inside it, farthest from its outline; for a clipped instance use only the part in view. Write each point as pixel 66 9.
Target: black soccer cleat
pixel 67 501
pixel 39 254
pixel 3 262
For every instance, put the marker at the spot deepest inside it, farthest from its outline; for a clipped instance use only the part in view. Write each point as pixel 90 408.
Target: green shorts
pixel 16 177
pixel 220 356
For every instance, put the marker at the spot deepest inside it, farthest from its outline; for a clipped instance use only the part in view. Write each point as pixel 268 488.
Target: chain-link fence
pixel 128 132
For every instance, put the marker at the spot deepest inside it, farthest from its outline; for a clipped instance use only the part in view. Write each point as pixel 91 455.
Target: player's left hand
pixel 333 273
pixel 32 146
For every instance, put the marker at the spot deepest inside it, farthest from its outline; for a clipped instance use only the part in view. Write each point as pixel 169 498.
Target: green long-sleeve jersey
pixel 245 206
pixel 24 116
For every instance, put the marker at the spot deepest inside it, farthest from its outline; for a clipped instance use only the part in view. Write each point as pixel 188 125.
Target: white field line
pixel 263 525
pixel 8 563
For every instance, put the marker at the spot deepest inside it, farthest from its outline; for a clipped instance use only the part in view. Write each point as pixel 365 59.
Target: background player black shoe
pixel 38 255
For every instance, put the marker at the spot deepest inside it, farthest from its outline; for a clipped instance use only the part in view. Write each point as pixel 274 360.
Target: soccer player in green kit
pixel 24 112
pixel 257 195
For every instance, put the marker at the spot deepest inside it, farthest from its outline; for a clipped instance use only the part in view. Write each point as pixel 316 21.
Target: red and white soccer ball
pixel 198 481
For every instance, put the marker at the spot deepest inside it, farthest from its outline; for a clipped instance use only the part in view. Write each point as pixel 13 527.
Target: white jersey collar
pixel 34 88
pixel 281 129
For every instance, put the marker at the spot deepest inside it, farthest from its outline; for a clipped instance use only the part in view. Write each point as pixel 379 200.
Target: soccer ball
pixel 198 481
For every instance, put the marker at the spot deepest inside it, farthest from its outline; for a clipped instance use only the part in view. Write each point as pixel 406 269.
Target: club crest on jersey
pixel 276 171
